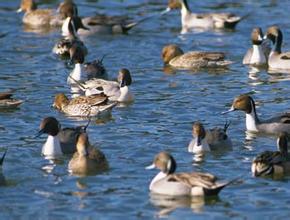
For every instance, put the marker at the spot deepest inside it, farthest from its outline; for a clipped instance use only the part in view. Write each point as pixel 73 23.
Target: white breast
pixel 51 148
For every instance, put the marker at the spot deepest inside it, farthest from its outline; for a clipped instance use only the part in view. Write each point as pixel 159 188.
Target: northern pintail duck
pixel 175 57
pixel 88 160
pixel 2 177
pixel 39 17
pixel 167 182
pixel 208 140
pixel 191 20
pixel 274 125
pixel 273 163
pixel 259 53
pixel 277 59
pixel 83 106
pixel 59 141
pixel 6 100
pixel 116 91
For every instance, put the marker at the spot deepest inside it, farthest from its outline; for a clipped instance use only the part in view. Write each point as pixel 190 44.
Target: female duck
pixel 39 17
pixel 191 20
pixel 175 57
pixel 59 141
pixel 274 125
pixel 88 160
pixel 182 184
pixel 116 91
pixel 273 163
pixel 277 59
pixel 83 106
pixel 209 140
pixel 259 53
pixel 6 100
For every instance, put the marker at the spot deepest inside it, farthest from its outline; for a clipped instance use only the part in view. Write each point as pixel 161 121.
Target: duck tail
pixel 224 63
pixel 79 84
pixel 3 157
pixel 215 190
pixel 129 26
pixel 233 21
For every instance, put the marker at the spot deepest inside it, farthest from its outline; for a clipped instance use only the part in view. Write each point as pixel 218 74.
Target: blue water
pixel 160 118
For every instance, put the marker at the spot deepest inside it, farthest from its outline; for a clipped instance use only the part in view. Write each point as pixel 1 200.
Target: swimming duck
pixel 88 160
pixel 191 20
pixel 169 183
pixel 6 100
pixel 273 163
pixel 38 17
pixel 70 40
pixel 259 53
pixel 59 141
pixel 83 106
pixel 116 91
pixel 277 59
pixel 274 125
pixel 208 140
pixel 175 57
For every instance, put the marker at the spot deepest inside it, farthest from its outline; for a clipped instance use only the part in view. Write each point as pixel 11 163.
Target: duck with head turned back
pixel 175 57
pixel 169 183
pixel 191 20
pixel 6 100
pixel 277 60
pixel 273 163
pixel 259 53
pixel 88 160
pixel 274 125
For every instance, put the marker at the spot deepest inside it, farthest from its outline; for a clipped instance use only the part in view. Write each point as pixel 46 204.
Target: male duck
pixel 88 160
pixel 274 125
pixel 59 141
pixel 182 184
pixel 6 100
pixel 83 106
pixel 259 53
pixel 208 140
pixel 116 91
pixel 277 59
pixel 39 17
pixel 273 163
pixel 191 20
pixel 175 57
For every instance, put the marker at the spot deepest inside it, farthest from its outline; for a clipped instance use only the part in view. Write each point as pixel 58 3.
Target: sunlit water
pixel 160 119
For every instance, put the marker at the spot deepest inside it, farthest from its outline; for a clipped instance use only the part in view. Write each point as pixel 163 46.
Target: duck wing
pixel 89 100
pixel 101 19
pixel 205 180
pixel 201 55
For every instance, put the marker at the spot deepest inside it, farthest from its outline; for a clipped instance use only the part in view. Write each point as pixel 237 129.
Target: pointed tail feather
pixel 79 84
pixel 215 191
pixel 128 27
pixel 234 21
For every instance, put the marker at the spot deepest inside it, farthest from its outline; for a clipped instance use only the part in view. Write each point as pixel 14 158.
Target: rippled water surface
pixel 160 118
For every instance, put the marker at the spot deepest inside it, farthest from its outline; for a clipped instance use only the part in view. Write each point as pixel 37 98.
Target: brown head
pixel 77 54
pixel 124 77
pixel 198 132
pixel 165 162
pixel 49 125
pixel 273 32
pixel 243 103
pixel 170 51
pixel 175 4
pixel 27 6
pixel 257 36
pixel 67 9
pixel 83 144
pixel 60 100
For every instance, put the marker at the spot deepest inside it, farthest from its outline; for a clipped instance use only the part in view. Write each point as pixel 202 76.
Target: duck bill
pixel 150 167
pixel 39 133
pixel 165 11
pixel 232 109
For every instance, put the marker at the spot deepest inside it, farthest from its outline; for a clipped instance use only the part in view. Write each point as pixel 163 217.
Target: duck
pixel 259 53
pixel 273 163
pixel 6 100
pixel 88 160
pixel 34 17
pixel 70 38
pixel 174 56
pixel 83 106
pixel 169 183
pixel 60 141
pixel 116 91
pixel 2 177
pixel 191 20
pixel 209 140
pixel 277 59
pixel 274 125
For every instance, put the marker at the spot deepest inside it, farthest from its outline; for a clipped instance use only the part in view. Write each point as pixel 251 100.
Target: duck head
pixel 275 35
pixel 257 36
pixel 76 54
pixel 170 51
pixel 243 103
pixel 27 6
pixel 124 77
pixel 67 9
pixel 60 100
pixel 50 126
pixel 164 162
pixel 198 132
pixel 175 4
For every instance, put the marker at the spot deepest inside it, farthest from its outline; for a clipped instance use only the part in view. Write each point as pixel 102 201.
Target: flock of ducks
pixel 93 95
